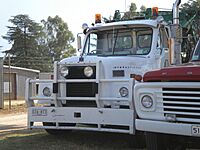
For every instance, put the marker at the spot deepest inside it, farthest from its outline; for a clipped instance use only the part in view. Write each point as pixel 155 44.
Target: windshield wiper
pixel 113 48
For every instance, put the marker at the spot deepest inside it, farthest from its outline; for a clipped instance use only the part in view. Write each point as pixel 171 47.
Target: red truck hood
pixel 186 72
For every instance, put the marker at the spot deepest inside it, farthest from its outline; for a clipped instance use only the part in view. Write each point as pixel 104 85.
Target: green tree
pixel 26 37
pixel 143 8
pixel 191 28
pixel 191 11
pixel 59 38
pixel 131 13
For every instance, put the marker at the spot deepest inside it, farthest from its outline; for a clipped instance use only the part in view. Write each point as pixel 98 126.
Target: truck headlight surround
pixel 46 92
pixel 88 71
pixel 123 92
pixel 64 71
pixel 147 101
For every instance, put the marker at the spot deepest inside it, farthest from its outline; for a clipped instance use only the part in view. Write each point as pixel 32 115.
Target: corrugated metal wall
pixel 18 81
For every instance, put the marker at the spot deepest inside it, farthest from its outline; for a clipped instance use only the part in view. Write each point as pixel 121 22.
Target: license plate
pixel 196 130
pixel 39 112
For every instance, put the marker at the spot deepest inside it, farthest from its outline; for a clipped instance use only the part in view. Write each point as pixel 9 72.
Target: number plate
pixel 39 112
pixel 196 130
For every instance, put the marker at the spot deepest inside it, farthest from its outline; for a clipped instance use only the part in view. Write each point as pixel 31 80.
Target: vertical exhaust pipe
pixel 176 12
pixel 176 35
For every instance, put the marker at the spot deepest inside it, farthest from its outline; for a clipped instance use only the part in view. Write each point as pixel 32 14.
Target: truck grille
pixel 81 89
pixel 77 72
pixel 183 102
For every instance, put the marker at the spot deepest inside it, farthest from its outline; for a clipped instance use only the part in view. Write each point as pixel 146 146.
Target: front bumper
pixel 101 119
pixel 166 127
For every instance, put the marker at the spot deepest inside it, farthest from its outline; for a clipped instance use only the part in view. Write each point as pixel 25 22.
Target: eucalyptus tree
pixel 58 38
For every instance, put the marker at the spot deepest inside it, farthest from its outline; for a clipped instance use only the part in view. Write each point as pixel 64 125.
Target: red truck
pixel 167 103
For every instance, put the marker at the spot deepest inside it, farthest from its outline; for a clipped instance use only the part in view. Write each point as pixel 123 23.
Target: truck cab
pixel 167 101
pixel 94 91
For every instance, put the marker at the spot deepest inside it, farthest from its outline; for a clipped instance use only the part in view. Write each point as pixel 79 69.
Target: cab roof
pixel 144 22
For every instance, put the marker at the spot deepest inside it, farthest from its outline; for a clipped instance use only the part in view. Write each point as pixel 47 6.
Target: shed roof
pixel 20 68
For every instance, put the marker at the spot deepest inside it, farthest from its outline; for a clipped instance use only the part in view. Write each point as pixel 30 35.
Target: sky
pixel 73 12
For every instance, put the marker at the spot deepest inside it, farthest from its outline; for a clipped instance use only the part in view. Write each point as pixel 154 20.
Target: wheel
pixel 155 141
pixel 57 131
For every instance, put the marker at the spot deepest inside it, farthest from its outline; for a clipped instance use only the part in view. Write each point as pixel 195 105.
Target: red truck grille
pixel 183 102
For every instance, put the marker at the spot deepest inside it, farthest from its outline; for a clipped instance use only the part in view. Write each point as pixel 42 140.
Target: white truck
pixel 167 103
pixel 94 91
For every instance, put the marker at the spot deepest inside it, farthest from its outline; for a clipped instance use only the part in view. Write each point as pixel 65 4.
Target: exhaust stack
pixel 176 36
pixel 176 12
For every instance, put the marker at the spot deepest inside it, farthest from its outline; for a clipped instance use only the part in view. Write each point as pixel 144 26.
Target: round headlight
pixel 47 92
pixel 123 92
pixel 147 101
pixel 64 71
pixel 88 71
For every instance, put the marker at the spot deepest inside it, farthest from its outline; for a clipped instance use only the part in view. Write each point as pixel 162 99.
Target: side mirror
pixel 79 45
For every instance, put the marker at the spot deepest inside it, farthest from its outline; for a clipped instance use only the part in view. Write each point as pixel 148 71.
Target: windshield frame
pixel 139 31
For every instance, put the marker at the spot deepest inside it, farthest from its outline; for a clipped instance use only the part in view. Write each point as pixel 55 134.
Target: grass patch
pixel 76 140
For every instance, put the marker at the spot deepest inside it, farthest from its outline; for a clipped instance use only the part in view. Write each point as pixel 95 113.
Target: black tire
pixel 155 141
pixel 55 131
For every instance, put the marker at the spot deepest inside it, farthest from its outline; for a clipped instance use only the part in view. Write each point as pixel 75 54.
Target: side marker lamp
pixel 137 77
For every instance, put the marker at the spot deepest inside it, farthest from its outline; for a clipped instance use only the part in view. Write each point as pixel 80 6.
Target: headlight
pixel 123 92
pixel 64 71
pixel 147 101
pixel 88 71
pixel 47 92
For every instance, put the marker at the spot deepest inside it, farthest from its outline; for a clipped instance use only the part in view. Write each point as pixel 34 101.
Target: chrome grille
pixel 183 102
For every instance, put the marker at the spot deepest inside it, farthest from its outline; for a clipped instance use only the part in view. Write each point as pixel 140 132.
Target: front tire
pixel 155 141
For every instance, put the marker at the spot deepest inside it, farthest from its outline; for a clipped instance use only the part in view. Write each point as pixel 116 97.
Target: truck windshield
pixel 131 41
pixel 196 54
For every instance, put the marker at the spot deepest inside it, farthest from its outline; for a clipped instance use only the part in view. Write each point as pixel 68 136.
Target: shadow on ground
pixel 76 140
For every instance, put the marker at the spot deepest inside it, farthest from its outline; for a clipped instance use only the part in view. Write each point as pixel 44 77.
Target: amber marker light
pixel 137 77
pixel 97 18
pixel 155 11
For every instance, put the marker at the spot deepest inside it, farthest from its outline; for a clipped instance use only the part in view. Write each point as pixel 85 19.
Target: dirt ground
pixel 15 135
pixel 17 107
pixel 14 118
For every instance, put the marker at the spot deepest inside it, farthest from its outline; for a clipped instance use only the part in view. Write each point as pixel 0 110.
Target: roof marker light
pixel 97 18
pixel 155 11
